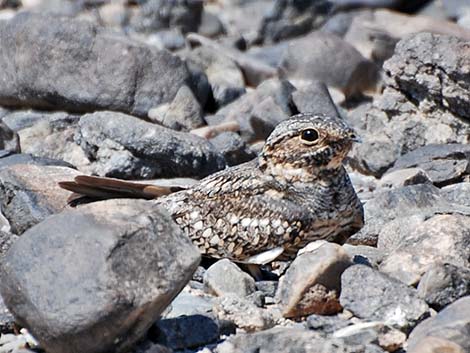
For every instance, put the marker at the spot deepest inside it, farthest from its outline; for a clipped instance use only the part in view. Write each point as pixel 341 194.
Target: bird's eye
pixel 309 135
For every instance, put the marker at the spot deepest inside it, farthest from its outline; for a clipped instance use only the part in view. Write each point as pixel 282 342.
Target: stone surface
pixel 233 148
pixel 6 241
pixel 364 255
pixel 312 283
pixel 326 324
pixel 442 284
pixel 23 158
pixel 63 63
pixel 187 304
pixel 224 277
pixel 6 319
pixel 457 193
pixel 314 98
pixel 243 313
pixel 29 193
pixel 374 296
pixel 123 146
pixel 404 177
pixel 442 238
pixel 9 139
pixel 451 328
pixel 107 262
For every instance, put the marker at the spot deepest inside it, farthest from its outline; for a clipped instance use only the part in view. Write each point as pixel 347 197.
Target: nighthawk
pixel 297 191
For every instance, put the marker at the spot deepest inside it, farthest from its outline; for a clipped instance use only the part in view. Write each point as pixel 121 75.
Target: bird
pixel 295 192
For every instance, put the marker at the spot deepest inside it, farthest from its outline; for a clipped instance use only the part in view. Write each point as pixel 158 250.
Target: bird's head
pixel 305 146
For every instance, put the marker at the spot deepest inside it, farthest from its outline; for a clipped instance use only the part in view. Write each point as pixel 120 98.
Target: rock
pixel 6 241
pixel 224 277
pixel 404 177
pixel 187 304
pixel 154 15
pixel 184 112
pixel 458 193
pixel 244 108
pixel 222 72
pixel 29 193
pixel 243 313
pixel 326 325
pixel 364 255
pixel 123 146
pixel 449 328
pixel 150 347
pixel 9 140
pixel 7 322
pixel 312 283
pixel 185 332
pixel 23 158
pixel 268 288
pixel 291 340
pixel 442 238
pixel 265 116
pixel 314 98
pixel 107 262
pixel 233 148
pixel 374 296
pixel 210 26
pixel 327 58
pixel 90 69
pixel 442 284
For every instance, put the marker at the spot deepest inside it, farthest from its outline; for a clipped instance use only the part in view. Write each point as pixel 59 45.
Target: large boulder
pixel 96 278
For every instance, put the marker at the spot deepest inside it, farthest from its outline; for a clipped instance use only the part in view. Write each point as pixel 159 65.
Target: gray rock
pixel 187 304
pixel 29 193
pixel 91 69
pixel 444 164
pixel 325 324
pixel 185 332
pixel 211 26
pixel 233 148
pixel 374 296
pixel 451 324
pixel 327 58
pixel 265 116
pixel 312 283
pixel 6 241
pixel 9 139
pixel 458 193
pixel 243 313
pixel 269 288
pixel 7 322
pixel 123 146
pixel 291 340
pixel 23 158
pixel 107 262
pixel 364 255
pixel 224 277
pixel 442 284
pixel 404 177
pixel 184 112
pixel 314 98
pixel 442 238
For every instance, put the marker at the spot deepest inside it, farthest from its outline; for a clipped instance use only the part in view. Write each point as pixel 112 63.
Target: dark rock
pixel 7 322
pixel 314 98
pixel 374 296
pixel 291 340
pixel 11 160
pixel 269 54
pixel 29 193
pixel 90 69
pixel 150 347
pixel 122 146
pixel 224 277
pixel 243 313
pixel 154 15
pixel 9 140
pixel 312 283
pixel 198 275
pixel 243 108
pixel 107 262
pixel 185 332
pixel 233 148
pixel 326 325
pixel 265 116
pixel 269 288
pixel 327 58
pixel 442 238
pixel 457 193
pixel 451 324
pixel 442 284
pixel 444 164
pixel 222 72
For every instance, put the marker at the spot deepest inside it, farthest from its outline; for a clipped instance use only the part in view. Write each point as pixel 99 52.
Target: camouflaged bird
pixel 297 191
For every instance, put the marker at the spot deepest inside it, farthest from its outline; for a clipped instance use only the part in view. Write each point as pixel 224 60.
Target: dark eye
pixel 309 135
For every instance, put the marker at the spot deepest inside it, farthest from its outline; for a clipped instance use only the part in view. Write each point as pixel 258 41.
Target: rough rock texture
pixel 224 277
pixel 23 158
pixel 119 261
pixel 451 324
pixel 123 146
pixel 442 238
pixel 53 62
pixel 374 296
pixel 457 193
pixel 442 284
pixel 233 148
pixel 424 102
pixel 29 193
pixel 314 98
pixel 9 140
pixel 312 283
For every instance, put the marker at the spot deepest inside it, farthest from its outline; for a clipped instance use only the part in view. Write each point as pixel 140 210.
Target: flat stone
pixel 375 296
pixel 224 277
pixel 457 193
pixel 187 304
pixel 404 177
pixel 70 278
pixel 24 158
pixel 312 283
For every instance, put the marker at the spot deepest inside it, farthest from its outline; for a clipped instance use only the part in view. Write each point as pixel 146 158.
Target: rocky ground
pixel 179 89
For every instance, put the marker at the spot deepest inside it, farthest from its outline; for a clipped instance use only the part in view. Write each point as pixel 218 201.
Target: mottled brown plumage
pixel 295 192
